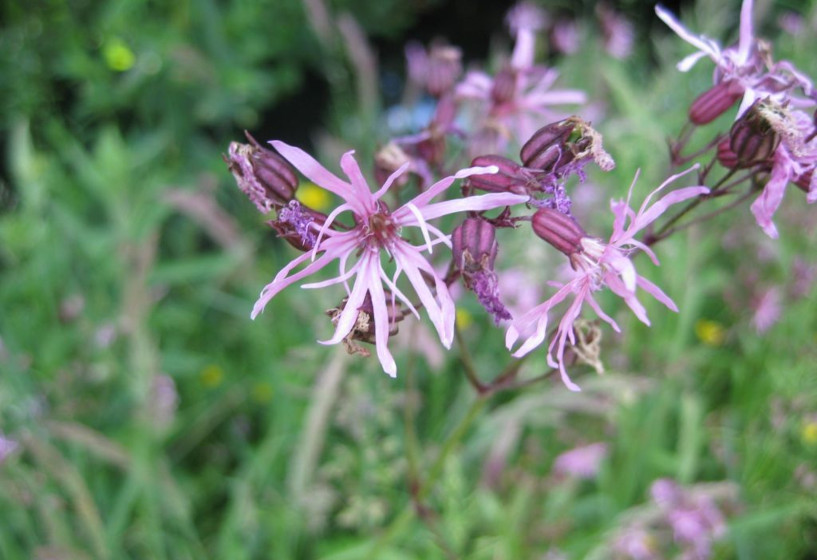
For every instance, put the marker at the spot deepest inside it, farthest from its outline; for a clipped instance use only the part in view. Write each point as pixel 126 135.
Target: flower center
pixel 381 228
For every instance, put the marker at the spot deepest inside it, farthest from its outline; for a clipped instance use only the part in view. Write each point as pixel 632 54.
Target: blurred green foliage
pixel 156 421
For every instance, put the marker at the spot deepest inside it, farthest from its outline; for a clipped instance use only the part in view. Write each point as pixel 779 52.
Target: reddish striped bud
pixel 714 102
pixel 548 146
pixel 752 138
pixel 263 175
pixel 560 230
pixel 726 157
pixel 474 246
pixel 508 179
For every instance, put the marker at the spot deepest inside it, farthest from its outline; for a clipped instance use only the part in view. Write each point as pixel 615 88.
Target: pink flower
pixel 581 462
pixel 794 160
pixel 746 66
pixel 597 264
pixel 519 97
pixel 7 447
pixel 377 233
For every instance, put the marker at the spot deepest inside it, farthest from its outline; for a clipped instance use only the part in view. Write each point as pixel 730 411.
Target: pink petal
pixel 657 293
pixel 769 200
pixel 469 204
pixel 381 320
pixel 281 281
pixel 363 283
pixel 746 38
pixel 312 170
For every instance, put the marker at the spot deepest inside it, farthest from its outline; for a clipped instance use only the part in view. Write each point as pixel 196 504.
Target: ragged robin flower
pixel 377 234
pixel 597 264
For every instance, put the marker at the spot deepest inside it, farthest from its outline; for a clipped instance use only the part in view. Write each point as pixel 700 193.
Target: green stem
pixel 404 518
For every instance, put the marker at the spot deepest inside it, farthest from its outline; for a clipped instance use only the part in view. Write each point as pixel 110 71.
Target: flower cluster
pixel 773 137
pixel 385 235
pixel 681 522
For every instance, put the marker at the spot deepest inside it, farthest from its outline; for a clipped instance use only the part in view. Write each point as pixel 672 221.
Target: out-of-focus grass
pixel 156 421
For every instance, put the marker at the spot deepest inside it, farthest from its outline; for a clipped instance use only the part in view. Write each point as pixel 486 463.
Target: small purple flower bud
pixel 264 176
pixel 564 147
pixel 474 244
pixel 7 447
pixel 714 102
pixel 752 137
pixel 508 179
pixel 726 157
pixel 475 248
pixel 548 145
pixel 558 229
pixel 444 69
pixel 504 89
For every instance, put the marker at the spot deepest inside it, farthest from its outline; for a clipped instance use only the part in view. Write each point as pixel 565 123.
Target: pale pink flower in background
pixel 524 20
pixel 377 234
pixel 581 462
pixel 564 36
pixel 766 308
pixel 744 66
pixel 7 447
pixel 520 97
pixel 635 543
pixel 597 264
pixel 617 30
pixel 695 519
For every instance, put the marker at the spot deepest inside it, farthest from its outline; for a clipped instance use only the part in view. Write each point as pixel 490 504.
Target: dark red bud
pixel 263 175
pixel 548 146
pixel 726 157
pixel 508 179
pixel 752 138
pixel 474 245
pixel 560 230
pixel 712 103
pixel 275 169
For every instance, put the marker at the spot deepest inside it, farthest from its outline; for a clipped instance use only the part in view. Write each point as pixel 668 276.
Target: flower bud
pixel 726 157
pixel 714 102
pixel 444 69
pixel 475 248
pixel 571 142
pixel 560 230
pixel 474 245
pixel 752 138
pixel 548 145
pixel 508 179
pixel 263 175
